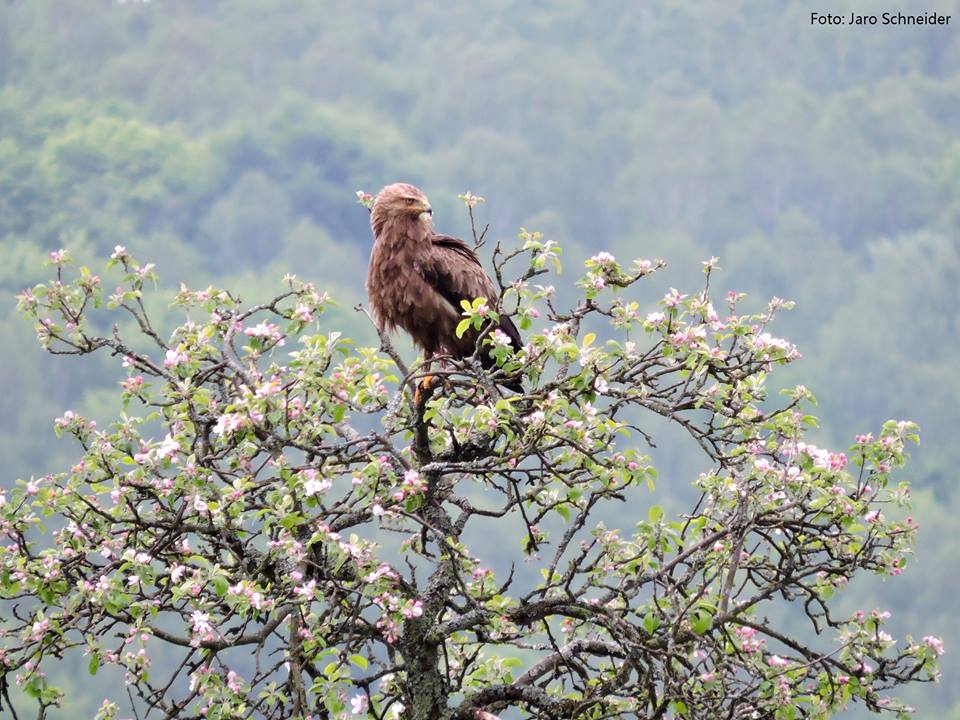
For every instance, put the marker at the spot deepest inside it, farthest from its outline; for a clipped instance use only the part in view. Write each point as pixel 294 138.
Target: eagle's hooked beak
pixel 428 210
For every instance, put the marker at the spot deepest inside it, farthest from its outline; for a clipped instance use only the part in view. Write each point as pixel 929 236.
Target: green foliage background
pixel 224 140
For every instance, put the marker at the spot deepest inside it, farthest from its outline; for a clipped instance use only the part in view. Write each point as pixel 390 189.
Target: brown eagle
pixel 417 279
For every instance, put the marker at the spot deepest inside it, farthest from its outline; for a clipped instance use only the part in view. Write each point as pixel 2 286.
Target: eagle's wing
pixel 454 272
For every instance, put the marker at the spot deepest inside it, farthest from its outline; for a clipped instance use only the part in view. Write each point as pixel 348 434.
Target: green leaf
pixel 359 660
pixel 462 326
pixel 220 585
pixel 701 622
pixel 94 664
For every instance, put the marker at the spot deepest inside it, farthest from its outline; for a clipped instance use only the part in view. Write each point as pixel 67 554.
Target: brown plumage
pixel 417 278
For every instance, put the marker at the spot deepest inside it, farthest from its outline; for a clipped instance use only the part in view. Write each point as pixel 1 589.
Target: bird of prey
pixel 417 279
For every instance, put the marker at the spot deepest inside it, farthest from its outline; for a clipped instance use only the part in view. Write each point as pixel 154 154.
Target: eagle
pixel 417 279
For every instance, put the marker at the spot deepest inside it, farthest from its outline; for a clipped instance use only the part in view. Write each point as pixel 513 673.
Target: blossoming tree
pixel 276 516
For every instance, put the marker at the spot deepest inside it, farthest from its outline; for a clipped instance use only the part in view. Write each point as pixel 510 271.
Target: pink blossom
pixel 119 251
pixel 500 338
pixel 934 643
pixel 749 643
pixel 312 483
pixel 536 418
pixel 358 704
pixel 837 461
pixel 234 682
pixel 201 623
pixel 27 297
pixel 777 661
pixel 167 448
pixel 39 629
pixel 66 419
pixel 673 298
pixel 688 336
pixel 414 610
pixel 713 318
pixel 764 341
pixel 413 484
pixel 132 385
pixel 265 331
pixel 302 313
pixel 306 591
pixel 229 423
pixel 762 465
pixel 271 387
pixel 175 358
pixel 383 570
pixel 294 407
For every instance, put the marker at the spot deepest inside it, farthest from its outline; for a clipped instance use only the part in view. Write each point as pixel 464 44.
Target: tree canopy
pixel 293 533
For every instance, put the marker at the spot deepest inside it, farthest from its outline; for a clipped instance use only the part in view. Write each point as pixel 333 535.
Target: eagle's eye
pixel 410 201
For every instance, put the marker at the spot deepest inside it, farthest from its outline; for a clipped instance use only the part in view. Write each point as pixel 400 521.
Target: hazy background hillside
pixel 224 141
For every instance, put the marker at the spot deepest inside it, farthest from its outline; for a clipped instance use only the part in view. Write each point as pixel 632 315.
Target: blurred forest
pixel 224 141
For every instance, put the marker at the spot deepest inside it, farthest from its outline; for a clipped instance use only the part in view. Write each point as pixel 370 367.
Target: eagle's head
pixel 399 201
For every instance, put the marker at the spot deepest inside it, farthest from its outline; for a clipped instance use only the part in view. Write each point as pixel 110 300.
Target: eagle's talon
pixel 425 389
